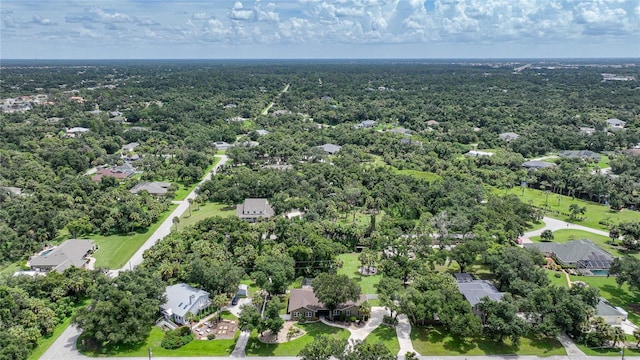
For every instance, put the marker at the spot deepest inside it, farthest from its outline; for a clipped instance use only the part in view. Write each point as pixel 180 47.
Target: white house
pixel 182 299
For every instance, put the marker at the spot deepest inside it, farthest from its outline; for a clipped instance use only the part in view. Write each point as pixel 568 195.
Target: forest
pixel 406 189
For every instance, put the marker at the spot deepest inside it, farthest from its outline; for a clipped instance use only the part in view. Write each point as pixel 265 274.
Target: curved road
pixel 555 224
pixel 65 346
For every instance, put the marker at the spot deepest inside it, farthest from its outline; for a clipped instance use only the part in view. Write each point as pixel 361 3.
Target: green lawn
pixel 594 214
pixel 222 347
pixel 207 210
pixel 10 268
pixel 437 342
pixel 253 288
pixel 617 296
pixel 114 250
pixel 612 352
pixel 565 235
pixel 45 342
pixel 183 191
pixel 292 348
pixel 385 335
pixel 536 226
pixel 558 281
pixel 361 219
pixel 350 266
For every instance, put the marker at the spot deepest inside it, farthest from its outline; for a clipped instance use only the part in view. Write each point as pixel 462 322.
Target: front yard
pixel 385 335
pixel 292 348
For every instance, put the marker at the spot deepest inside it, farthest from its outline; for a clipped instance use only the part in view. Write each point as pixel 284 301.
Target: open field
pixel 207 210
pixel 350 266
pixel 594 214
pixel 562 236
pixel 385 335
pixel 114 250
pixel 292 348
pixel 437 342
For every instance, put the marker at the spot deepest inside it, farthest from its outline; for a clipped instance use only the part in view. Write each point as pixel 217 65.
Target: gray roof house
pixel 367 124
pixel 613 315
pixel 476 290
pixel 130 146
pixel 615 124
pixel 581 254
pixel 70 253
pixel 222 145
pixel 582 154
pixel 262 132
pixel 183 299
pixel 254 210
pixel 157 188
pixel 535 164
pixel 11 190
pixel 401 131
pixel 330 148
pixel 508 136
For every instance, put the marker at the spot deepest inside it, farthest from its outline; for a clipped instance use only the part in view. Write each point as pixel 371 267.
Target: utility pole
pixel 150 354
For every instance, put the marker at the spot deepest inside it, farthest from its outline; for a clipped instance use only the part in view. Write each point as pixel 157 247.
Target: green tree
pixel 500 320
pixel 576 210
pixel 176 221
pixel 547 235
pixel 274 273
pixel 323 347
pixel 364 351
pixel 249 317
pixel 333 290
pixel 220 301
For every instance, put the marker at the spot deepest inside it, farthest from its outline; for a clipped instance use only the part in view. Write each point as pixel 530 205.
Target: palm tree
pixel 176 221
pixel 364 309
pixel 618 335
pixel 219 301
pixel 190 204
pixel 636 334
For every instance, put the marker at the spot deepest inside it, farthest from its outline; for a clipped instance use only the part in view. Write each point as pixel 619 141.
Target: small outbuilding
pixel 243 290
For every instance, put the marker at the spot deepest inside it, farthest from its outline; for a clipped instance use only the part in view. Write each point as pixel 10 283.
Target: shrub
pixel 389 320
pixel 211 336
pixel 174 339
pixel 557 275
pixel 352 319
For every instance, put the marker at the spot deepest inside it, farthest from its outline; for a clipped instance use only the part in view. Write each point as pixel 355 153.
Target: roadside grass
pixel 182 191
pixel 292 348
pixel 218 347
pixel 350 265
pixel 613 351
pixel 205 211
pixel 565 235
pixel 617 296
pixel 536 225
pixel 594 215
pixel 385 335
pixel 45 342
pixel 114 250
pixel 432 341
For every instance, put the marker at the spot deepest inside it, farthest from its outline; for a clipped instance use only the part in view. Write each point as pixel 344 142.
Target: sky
pixel 318 29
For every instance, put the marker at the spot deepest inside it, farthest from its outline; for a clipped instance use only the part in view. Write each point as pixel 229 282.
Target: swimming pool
pixel 600 272
pixel 44 253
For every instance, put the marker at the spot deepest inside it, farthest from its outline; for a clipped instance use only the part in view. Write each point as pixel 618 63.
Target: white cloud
pixel 201 16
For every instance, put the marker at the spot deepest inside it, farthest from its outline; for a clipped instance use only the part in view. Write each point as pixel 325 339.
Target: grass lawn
pixel 253 288
pixel 45 342
pixel 561 281
pixel 350 266
pixel 207 210
pixel 114 250
pixel 565 235
pixel 614 351
pixel 292 348
pixel 361 219
pixel 595 212
pixel 437 341
pixel 536 226
pixel 374 302
pixel 385 335
pixel 222 347
pixel 10 268
pixel 617 296
pixel 183 191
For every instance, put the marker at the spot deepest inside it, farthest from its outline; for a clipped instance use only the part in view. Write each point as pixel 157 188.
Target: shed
pixel 243 290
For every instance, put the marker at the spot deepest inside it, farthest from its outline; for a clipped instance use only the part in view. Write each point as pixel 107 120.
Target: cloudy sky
pixel 159 29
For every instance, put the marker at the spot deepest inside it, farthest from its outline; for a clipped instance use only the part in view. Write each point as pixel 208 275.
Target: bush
pixel 390 320
pixel 174 339
pixel 557 275
pixel 352 319
pixel 211 336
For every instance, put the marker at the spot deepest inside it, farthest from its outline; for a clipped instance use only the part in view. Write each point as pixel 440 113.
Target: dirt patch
pixel 225 329
pixel 283 335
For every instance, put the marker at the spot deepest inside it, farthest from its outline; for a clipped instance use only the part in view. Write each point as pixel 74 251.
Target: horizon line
pixel 346 58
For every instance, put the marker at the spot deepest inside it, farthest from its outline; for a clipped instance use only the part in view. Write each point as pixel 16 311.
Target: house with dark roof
pixel 183 299
pixel 70 253
pixel 581 254
pixel 579 154
pixel 475 291
pixel 508 136
pixel 156 188
pixel 330 149
pixel 254 210
pixel 119 172
pixel 304 304
pixel 535 165
pixel 612 315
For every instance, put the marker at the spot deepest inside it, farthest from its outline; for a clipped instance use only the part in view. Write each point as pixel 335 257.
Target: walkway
pixel 377 313
pixel 570 346
pixel 403 331
pixel 555 224
pixel 241 344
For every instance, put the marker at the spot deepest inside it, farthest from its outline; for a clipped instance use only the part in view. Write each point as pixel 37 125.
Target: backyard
pixel 436 341
pixel 617 296
pixel 114 250
pixel 350 266
pixel 201 212
pixel 292 348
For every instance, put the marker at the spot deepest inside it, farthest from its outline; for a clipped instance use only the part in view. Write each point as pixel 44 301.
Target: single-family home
pixel 612 315
pixel 432 123
pixel 304 304
pixel 631 152
pixel 183 299
pixel 130 146
pixel 70 253
pixel 536 164
pixel 581 254
pixel 76 131
pixel 582 154
pixel 474 291
pixel 222 145
pixel 262 132
pixel 119 172
pixel 230 106
pixel 254 210
pixel 11 190
pixel 155 188
pixel 508 136
pixel 367 124
pixel 409 141
pixel 330 149
pixel 615 124
pixel 478 153
pixel 587 130
pixel 401 131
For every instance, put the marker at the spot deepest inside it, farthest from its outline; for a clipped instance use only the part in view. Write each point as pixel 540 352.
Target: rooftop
pixel 583 253
pixel 475 290
pixel 181 298
pixel 153 188
pixel 305 298
pixel 330 148
pixel 535 164
pixel 69 253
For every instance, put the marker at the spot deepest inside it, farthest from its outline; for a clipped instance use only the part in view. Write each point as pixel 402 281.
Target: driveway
pixel 555 224
pixel 403 331
pixel 377 313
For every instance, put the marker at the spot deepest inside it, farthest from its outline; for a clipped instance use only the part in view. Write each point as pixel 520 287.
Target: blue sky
pixel 218 29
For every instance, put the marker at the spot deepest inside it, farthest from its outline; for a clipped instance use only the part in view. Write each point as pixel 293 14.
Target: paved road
pixel 555 224
pixel 64 348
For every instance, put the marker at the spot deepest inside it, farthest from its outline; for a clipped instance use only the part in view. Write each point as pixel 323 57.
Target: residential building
pixel 587 130
pixel 262 132
pixel 70 253
pixel 475 291
pixel 119 172
pixel 401 131
pixel 582 154
pixel 581 254
pixel 535 165
pixel 75 131
pixel 243 290
pixel 304 304
pixel 478 153
pixel 612 315
pixel 183 299
pixel 222 145
pixel 330 149
pixel 508 136
pixel 367 124
pixel 156 188
pixel 254 210
pixel 11 190
pixel 615 124
pixel 130 146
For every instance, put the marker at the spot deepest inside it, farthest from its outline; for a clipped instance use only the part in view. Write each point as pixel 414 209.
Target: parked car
pixel 234 301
